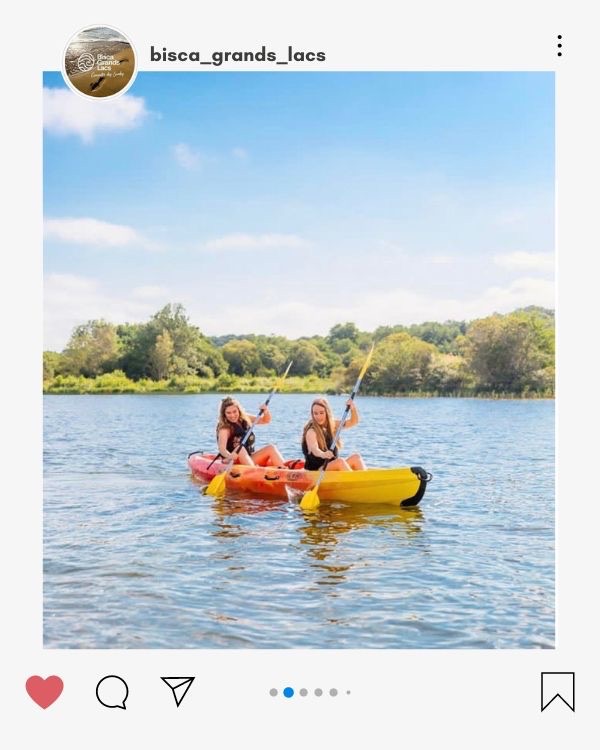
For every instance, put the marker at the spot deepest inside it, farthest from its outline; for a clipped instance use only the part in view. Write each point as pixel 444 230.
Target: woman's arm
pixel 313 446
pixel 265 416
pixel 222 443
pixel 353 419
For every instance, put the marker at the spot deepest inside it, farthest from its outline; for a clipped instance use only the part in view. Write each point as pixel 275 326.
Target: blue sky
pixel 288 202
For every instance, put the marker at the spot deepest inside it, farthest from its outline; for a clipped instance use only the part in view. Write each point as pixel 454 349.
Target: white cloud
pixel 150 292
pixel 406 306
pixel 512 218
pixel 401 306
pixel 521 261
pixel 65 113
pixel 70 284
pixel 187 157
pixel 88 231
pixel 256 242
pixel 520 293
pixel 441 260
pixel 71 300
pixel 391 249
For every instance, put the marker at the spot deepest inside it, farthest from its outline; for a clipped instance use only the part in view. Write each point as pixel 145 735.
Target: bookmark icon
pixel 179 686
pixel 558 685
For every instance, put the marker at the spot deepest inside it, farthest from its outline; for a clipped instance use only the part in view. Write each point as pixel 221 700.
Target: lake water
pixel 135 556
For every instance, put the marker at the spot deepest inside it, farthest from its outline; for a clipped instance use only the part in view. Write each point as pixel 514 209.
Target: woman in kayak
pixel 231 428
pixel 317 437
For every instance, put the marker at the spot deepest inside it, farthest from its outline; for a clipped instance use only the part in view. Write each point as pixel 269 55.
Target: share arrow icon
pixel 179 686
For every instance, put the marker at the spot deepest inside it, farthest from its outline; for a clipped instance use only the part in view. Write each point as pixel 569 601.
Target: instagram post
pixel 332 575
pixel 297 437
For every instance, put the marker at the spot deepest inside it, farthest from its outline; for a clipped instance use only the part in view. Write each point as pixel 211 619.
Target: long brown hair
pixel 319 431
pixel 223 422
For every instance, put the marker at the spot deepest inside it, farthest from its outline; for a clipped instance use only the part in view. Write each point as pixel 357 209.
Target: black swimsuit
pixel 312 463
pixel 236 433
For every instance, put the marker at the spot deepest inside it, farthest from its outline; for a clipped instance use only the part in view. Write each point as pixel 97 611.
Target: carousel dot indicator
pixel 273 692
pixel 333 692
pixel 303 692
pixel 288 692
pixel 318 692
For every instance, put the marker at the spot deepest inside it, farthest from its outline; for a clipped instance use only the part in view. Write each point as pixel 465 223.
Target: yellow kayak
pixel 404 486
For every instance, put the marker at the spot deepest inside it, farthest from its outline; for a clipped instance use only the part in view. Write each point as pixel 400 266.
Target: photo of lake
pixel 135 556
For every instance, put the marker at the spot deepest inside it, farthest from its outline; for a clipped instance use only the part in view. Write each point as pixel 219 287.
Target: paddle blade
pixel 310 501
pixel 216 486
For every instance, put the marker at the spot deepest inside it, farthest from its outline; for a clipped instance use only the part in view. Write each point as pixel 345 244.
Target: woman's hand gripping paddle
pixel 216 486
pixel 310 500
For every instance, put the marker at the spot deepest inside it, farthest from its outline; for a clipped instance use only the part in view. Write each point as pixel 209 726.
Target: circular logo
pixel 85 62
pixel 99 62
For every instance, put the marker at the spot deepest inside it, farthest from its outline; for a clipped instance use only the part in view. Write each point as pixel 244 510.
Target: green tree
pixel 327 360
pixel 441 335
pixel 343 331
pixel 448 374
pixel 92 349
pixel 346 341
pixel 401 363
pixel 185 337
pixel 273 352
pixel 511 353
pixel 137 340
pixel 161 356
pixel 383 332
pixel 308 359
pixel 343 346
pixel 192 354
pixel 52 362
pixel 242 357
pixel 208 361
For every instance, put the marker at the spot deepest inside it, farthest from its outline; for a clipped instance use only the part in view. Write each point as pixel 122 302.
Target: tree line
pixel 510 354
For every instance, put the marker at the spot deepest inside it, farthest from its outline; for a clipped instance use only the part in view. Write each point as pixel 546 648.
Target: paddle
pixel 310 500
pixel 216 485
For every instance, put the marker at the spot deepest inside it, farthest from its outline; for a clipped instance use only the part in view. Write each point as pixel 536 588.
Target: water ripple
pixel 135 556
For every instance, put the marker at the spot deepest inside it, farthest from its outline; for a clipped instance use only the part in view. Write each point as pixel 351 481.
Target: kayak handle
pixel 424 476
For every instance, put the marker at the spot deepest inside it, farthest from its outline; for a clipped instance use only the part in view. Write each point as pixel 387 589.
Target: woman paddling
pixel 318 434
pixel 231 428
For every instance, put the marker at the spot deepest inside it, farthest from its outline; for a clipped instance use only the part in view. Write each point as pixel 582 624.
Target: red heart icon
pixel 44 691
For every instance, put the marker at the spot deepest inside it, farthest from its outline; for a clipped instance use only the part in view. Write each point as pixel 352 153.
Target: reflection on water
pixel 136 556
pixel 235 503
pixel 319 533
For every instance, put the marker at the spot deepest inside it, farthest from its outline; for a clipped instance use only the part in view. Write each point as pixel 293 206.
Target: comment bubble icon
pixel 112 691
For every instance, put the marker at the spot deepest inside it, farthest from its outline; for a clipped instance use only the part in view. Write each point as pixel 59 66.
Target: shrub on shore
pixel 118 382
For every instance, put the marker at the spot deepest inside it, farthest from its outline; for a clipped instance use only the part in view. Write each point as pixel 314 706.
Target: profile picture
pixel 99 62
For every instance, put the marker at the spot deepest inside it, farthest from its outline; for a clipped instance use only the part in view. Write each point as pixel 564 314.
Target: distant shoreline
pixel 329 392
pixel 502 356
